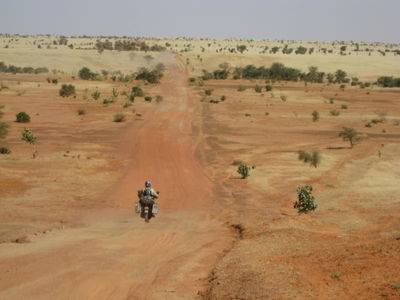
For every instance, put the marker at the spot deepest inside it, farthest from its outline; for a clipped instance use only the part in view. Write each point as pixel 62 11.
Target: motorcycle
pixel 145 205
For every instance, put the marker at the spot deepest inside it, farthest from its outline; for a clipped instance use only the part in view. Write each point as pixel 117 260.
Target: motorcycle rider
pixel 148 193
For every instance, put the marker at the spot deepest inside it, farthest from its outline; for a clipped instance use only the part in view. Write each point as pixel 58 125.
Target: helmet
pixel 147 183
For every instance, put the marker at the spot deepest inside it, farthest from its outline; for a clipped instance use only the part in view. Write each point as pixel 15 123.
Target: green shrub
pixel 258 89
pixel 305 200
pixel 241 88
pixel 159 98
pixel 115 93
pixel 284 98
pixel 119 117
pixel 86 74
pixel 223 98
pixel 268 87
pixel 22 117
pixel 5 150
pixel 148 98
pixel 96 94
pixel 137 91
pixel 81 112
pixel 243 170
pixel 344 106
pixel 67 90
pixel 315 116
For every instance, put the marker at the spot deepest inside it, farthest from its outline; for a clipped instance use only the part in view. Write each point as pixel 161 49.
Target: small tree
pixel 351 135
pixel 305 200
pixel 29 137
pixel 243 170
pixel 67 90
pixel 22 117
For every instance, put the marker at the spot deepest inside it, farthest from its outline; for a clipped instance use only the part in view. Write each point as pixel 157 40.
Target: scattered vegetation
pixel 5 150
pixel 313 158
pixel 315 116
pixel 27 70
pixel 67 90
pixel 137 91
pixel 388 81
pixel 96 94
pixel 22 117
pixel 305 200
pixel 29 137
pixel 86 74
pixel 81 112
pixel 243 170
pixel 151 76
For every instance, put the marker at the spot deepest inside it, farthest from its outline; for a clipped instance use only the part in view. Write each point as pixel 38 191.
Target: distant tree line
pixel 14 69
pixel 388 81
pixel 277 71
pixel 124 45
pixel 150 75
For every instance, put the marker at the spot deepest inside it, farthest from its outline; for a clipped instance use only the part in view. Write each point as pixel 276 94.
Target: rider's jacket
pixel 148 191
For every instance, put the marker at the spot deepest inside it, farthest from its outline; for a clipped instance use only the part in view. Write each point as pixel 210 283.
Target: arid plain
pixel 67 225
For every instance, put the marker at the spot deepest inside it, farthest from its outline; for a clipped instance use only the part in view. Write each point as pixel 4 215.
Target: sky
pixel 358 20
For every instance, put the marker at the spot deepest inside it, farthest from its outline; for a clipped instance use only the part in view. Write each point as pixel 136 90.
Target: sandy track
pixel 115 255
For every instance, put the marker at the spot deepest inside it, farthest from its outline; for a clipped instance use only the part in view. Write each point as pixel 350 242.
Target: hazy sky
pixel 367 20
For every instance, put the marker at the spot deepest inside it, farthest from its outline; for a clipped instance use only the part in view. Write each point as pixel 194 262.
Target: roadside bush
pixel 148 98
pixel 344 106
pixel 81 112
pixel 268 87
pixel 22 117
pixel 223 98
pixel 241 88
pixel 67 90
pixel 152 76
pixel 305 200
pixel 258 89
pixel 243 170
pixel 119 117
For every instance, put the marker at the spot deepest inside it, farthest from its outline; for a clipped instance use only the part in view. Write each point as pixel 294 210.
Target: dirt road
pixel 114 254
